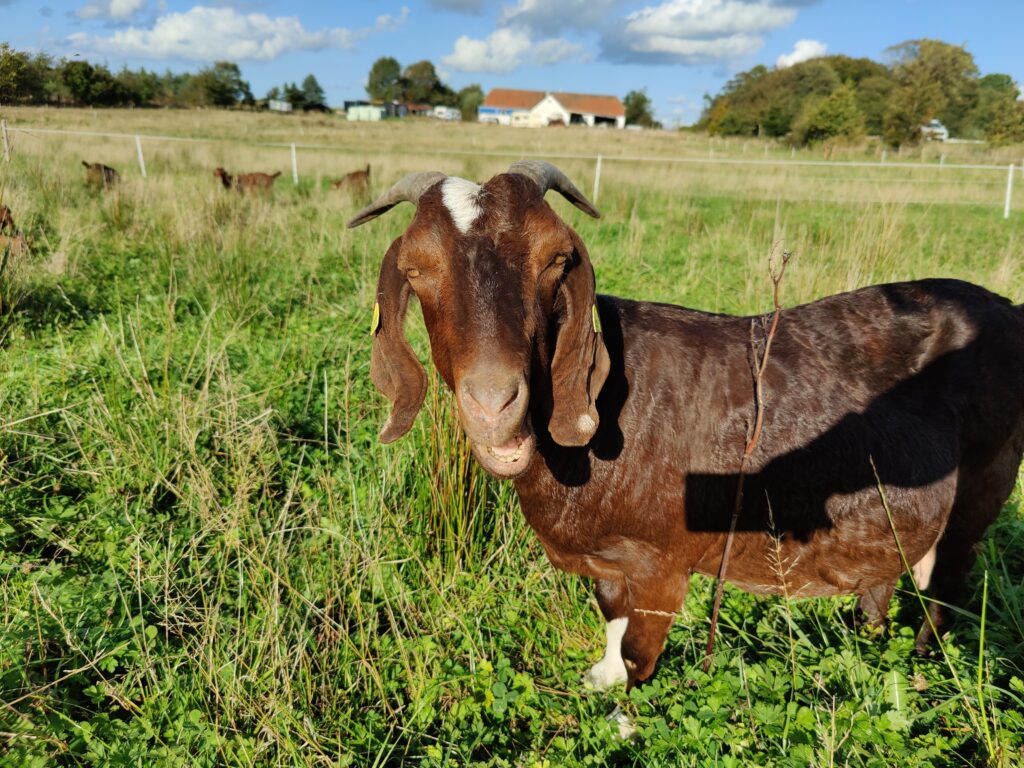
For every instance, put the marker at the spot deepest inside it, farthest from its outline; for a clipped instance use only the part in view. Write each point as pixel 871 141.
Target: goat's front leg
pixel 655 605
pixel 639 616
pixel 613 599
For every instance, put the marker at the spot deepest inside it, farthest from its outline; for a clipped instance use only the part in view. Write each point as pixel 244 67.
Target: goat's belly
pixel 857 552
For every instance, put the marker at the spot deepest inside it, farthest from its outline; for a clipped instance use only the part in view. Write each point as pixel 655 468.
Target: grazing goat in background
pixel 622 423
pixel 356 182
pixel 98 175
pixel 246 182
pixel 6 219
pixel 12 245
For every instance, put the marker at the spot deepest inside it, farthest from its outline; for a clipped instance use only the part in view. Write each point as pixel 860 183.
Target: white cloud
pixel 802 51
pixel 696 31
pixel 502 51
pixel 548 52
pixel 554 18
pixel 506 49
pixel 112 10
pixel 206 34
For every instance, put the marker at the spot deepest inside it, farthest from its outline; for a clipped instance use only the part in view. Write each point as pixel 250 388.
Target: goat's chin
pixel 509 459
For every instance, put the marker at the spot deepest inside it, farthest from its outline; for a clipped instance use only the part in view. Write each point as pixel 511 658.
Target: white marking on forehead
pixel 462 199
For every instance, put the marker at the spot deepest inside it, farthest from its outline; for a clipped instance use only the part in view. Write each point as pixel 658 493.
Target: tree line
pixel 40 79
pixel 842 98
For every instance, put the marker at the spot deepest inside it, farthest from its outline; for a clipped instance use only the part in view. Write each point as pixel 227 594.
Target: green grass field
pixel 206 558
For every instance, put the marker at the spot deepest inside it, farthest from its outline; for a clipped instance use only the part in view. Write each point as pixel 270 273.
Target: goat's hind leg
pixel 979 500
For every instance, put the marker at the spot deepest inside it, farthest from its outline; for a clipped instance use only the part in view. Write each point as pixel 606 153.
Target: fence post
pixel 7 141
pixel 942 160
pixel 142 160
pixel 597 178
pixel 295 167
pixel 882 161
pixel 1009 192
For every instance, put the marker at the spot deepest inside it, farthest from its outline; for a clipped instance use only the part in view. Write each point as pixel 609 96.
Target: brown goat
pixel 98 175
pixel 623 422
pixel 246 182
pixel 6 219
pixel 356 182
pixel 12 245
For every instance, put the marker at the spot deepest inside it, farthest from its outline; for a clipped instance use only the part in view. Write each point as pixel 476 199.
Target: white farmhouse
pixel 508 106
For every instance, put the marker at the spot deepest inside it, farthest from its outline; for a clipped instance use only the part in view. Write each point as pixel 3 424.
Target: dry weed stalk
pixel 758 366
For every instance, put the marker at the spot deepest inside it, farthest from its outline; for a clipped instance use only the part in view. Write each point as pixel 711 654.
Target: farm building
pixel 507 106
pixel 365 112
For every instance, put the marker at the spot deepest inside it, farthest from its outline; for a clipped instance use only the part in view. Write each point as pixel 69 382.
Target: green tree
pixel 640 109
pixel 837 115
pixel 24 78
pixel 384 80
pixel 997 95
pixel 421 85
pixel 470 98
pixel 224 84
pixel 312 94
pixel 873 100
pixel 91 85
pixel 934 79
pixel 293 95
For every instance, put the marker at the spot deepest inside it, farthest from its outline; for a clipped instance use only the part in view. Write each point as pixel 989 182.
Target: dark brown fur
pixel 98 175
pixel 356 182
pixel 6 219
pixel 246 182
pixel 926 378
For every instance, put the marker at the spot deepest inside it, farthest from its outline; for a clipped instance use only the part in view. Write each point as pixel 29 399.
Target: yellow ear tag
pixel 595 318
pixel 375 323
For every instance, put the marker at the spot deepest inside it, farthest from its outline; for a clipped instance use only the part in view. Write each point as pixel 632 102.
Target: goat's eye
pixel 412 273
pixel 560 259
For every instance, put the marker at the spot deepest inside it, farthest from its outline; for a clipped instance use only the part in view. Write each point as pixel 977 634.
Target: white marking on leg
pixel 625 725
pixel 611 669
pixel 922 569
pixel 462 199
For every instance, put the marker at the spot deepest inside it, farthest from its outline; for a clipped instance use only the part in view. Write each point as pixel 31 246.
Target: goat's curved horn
pixel 548 177
pixel 406 189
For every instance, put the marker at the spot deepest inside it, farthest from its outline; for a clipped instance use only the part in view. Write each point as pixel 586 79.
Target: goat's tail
pixel 86 164
pixel 275 174
pixel 367 169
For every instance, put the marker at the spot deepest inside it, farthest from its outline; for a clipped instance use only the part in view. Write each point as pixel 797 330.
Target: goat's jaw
pixel 510 458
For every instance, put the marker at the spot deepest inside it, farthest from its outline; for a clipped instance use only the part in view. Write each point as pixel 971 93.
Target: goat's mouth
pixel 510 458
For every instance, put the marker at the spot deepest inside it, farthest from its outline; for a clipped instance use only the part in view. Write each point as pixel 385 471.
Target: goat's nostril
pixel 491 400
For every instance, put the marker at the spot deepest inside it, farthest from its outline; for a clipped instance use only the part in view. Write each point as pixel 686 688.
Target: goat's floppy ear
pixel 580 363
pixel 393 366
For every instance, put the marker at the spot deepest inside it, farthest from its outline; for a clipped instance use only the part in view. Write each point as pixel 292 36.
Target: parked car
pixel 934 130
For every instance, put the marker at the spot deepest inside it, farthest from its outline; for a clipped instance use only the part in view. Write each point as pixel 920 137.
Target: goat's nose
pixel 489 397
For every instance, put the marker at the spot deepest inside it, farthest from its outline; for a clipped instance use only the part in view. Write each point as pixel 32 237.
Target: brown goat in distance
pixel 99 175
pixel 622 423
pixel 356 182
pixel 246 182
pixel 6 219
pixel 12 245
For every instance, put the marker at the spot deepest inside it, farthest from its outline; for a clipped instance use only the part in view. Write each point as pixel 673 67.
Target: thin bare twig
pixel 758 368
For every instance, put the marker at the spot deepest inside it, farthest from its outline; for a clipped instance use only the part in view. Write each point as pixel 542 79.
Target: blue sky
pixel 676 49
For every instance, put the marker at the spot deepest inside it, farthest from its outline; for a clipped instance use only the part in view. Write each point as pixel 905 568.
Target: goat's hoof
pixel 623 723
pixel 605 674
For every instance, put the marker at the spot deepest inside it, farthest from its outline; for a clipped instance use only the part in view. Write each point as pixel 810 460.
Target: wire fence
pixel 957 177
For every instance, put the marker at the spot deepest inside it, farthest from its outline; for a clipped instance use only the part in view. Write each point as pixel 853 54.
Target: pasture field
pixel 206 557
